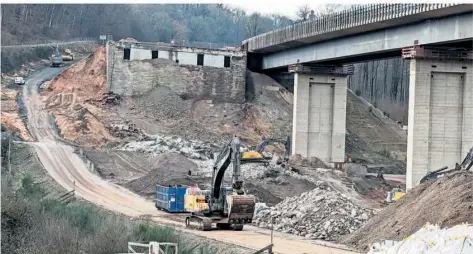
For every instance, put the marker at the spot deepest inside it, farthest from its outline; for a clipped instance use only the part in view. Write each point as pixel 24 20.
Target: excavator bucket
pixel 241 208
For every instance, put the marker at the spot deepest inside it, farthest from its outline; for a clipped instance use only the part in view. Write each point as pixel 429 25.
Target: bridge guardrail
pixel 53 43
pixel 354 17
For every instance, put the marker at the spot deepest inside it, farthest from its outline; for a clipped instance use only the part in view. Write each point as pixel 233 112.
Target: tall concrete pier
pixel 440 131
pixel 319 112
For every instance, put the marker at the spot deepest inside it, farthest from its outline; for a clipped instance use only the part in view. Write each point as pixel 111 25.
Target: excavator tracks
pixel 200 223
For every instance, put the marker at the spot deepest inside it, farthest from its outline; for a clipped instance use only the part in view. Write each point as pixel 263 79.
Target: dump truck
pixel 68 55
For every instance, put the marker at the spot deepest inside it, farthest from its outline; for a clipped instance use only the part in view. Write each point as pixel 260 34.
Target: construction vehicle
pixel 466 164
pixel 68 55
pixel 19 80
pixel 228 207
pixel 56 59
pixel 395 194
pixel 256 155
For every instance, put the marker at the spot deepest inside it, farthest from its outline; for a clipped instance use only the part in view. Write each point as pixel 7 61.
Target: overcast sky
pixel 284 7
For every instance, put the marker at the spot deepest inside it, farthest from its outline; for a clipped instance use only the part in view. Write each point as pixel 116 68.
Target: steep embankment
pixel 10 115
pixel 447 201
pixel 71 96
pixel 372 136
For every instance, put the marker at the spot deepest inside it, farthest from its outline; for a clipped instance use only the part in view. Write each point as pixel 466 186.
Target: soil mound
pixel 169 168
pixel 447 201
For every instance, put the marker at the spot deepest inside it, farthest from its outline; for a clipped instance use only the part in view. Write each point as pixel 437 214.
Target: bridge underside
pixel 377 44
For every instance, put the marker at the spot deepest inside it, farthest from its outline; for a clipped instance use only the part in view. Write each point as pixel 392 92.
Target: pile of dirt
pixel 69 98
pixel 447 201
pixel 373 137
pixel 10 115
pixel 267 114
pixel 169 168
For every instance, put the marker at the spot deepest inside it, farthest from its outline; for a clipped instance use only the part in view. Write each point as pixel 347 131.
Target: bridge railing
pixel 356 16
pixel 52 42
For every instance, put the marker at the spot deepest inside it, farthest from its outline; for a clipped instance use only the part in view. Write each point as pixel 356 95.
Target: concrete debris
pixel 314 162
pixel 156 144
pixel 123 130
pixel 322 213
pixel 110 98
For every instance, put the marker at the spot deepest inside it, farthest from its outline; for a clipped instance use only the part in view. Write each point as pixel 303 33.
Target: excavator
pixel 256 155
pixel 227 207
pixel 466 164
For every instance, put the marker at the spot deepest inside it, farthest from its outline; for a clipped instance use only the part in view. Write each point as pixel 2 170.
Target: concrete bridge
pixel 436 38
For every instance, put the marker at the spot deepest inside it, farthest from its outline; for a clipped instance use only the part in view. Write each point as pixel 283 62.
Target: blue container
pixel 170 199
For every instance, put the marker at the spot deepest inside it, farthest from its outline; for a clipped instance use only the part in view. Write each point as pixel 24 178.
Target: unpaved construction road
pixel 68 169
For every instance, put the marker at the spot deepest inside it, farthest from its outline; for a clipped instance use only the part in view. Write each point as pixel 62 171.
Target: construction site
pixel 195 139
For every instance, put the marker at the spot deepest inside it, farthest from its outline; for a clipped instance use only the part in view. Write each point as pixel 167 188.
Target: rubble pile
pixel 123 130
pixel 110 98
pixel 155 145
pixel 322 213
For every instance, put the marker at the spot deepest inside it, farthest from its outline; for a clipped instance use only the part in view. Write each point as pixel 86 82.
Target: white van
pixel 19 81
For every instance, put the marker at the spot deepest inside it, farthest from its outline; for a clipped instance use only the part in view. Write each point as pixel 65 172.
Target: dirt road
pixel 69 171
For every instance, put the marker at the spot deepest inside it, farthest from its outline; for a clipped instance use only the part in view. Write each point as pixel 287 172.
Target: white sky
pixel 284 7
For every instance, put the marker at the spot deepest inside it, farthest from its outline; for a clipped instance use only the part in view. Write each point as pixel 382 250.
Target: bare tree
pixel 179 31
pixel 303 12
pixel 253 25
pixel 238 15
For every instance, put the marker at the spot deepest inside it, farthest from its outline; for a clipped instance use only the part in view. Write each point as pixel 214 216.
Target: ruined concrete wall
pixel 189 81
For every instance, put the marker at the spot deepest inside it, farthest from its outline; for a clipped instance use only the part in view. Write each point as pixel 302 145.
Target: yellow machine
pixel 194 200
pixel 252 155
pixel 395 194
pixel 256 155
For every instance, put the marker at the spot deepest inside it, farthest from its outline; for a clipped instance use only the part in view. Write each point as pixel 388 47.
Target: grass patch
pixel 385 152
pixel 33 221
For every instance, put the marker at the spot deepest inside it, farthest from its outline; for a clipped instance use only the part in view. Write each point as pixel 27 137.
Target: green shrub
pixel 358 92
pixel 147 232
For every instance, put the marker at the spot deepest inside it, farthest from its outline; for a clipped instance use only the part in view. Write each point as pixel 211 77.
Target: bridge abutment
pixel 320 112
pixel 440 130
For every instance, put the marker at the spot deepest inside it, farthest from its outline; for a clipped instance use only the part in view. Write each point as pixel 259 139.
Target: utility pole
pixel 9 153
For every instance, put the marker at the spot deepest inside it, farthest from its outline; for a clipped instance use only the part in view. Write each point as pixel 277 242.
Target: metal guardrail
pixel 153 248
pixel 357 16
pixel 189 44
pixel 53 43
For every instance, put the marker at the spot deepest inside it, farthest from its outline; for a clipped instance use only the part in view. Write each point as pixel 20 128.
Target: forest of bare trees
pixel 180 22
pixel 384 82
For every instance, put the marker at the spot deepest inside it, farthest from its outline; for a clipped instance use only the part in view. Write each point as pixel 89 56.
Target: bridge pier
pixel 440 130
pixel 319 115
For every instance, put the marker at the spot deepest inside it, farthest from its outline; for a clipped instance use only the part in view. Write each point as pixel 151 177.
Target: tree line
pixel 217 23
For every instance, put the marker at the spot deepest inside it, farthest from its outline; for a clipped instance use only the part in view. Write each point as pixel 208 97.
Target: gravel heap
pixel 155 145
pixel 322 213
